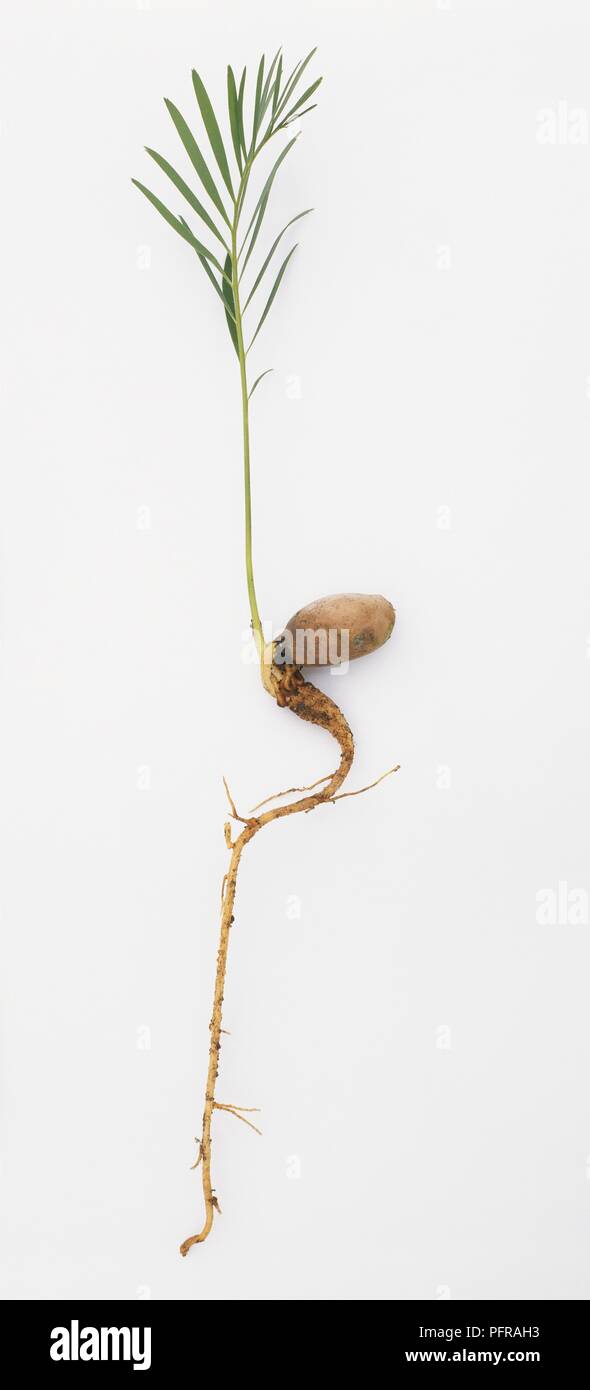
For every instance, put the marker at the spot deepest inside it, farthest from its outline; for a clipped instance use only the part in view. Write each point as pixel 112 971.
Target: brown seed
pixel 336 629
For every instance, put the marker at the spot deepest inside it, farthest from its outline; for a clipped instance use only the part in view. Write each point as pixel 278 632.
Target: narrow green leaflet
pixel 213 131
pixel 187 193
pixel 285 124
pixel 269 87
pixel 178 223
pixel 277 86
pixel 270 95
pixel 258 100
pixel 259 378
pixel 273 292
pixel 288 88
pixel 260 208
pixel 196 158
pixel 241 112
pixel 230 308
pixel 306 95
pixel 297 73
pixel 234 117
pixel 271 254
pixel 269 77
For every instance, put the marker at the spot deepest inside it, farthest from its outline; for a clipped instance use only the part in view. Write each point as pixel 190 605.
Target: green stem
pixel 254 613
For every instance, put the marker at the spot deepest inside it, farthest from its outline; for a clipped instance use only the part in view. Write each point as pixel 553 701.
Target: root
pixel 289 690
pixel 369 787
pixel 235 1109
pixel 276 796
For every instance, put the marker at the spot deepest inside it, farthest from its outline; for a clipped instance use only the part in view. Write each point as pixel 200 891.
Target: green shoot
pixel 275 106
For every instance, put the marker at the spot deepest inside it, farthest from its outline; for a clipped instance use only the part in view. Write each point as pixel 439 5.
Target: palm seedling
pixel 332 629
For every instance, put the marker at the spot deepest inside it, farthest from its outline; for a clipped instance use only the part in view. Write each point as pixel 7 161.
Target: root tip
pixel 186 1244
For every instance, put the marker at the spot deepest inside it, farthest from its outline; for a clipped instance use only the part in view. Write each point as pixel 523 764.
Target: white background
pixel 431 347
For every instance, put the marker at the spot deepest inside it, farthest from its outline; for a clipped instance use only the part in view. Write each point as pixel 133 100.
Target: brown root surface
pixel 293 692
